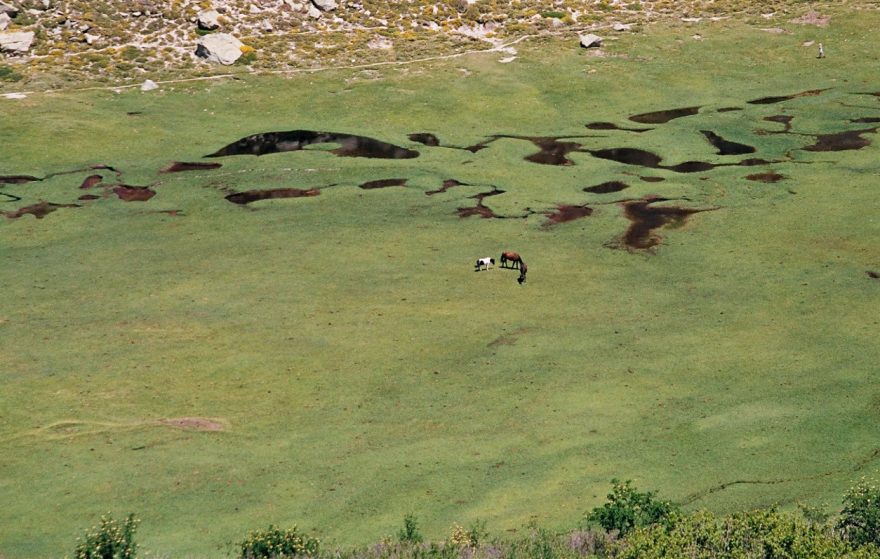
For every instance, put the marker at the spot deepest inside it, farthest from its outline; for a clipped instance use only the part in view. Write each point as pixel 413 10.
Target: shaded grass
pixel 348 346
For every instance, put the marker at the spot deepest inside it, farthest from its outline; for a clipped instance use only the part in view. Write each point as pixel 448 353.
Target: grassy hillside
pixel 334 361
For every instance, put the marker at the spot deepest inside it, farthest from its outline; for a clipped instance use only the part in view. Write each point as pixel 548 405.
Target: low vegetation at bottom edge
pixel 630 525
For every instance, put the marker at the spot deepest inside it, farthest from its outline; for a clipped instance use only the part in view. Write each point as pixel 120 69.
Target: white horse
pixel 484 263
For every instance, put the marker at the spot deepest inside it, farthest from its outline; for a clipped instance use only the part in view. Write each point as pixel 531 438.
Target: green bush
pixel 410 531
pixel 276 543
pixel 627 509
pixel 860 518
pixel 109 540
pixel 757 534
pixel 7 74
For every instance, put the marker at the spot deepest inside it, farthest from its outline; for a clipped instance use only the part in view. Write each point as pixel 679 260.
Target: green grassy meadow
pixel 355 365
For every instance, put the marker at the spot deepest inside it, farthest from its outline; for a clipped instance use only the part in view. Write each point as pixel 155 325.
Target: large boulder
pixel 208 20
pixel 588 40
pixel 4 21
pixel 219 47
pixel 325 5
pixel 17 42
pixel 7 9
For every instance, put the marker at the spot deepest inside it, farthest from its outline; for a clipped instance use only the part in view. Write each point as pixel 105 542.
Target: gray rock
pixel 222 48
pixel 324 5
pixel 19 42
pixel 4 21
pixel 295 5
pixel 622 26
pixel 208 20
pixel 588 40
pixel 380 43
pixel 90 39
pixel 149 85
pixel 267 26
pixel 11 11
pixel 314 12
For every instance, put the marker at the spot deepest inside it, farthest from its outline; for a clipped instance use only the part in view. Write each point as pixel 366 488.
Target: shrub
pixel 276 543
pixel 109 540
pixel 760 533
pixel 860 518
pixel 627 509
pixel 7 74
pixel 410 531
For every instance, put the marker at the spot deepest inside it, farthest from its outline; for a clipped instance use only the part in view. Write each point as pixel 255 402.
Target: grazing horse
pixel 513 257
pixel 485 262
pixel 522 272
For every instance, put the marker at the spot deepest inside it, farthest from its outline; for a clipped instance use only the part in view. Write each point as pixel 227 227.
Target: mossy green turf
pixel 363 370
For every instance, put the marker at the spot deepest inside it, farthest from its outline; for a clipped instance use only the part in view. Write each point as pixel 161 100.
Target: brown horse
pixel 522 272
pixel 513 257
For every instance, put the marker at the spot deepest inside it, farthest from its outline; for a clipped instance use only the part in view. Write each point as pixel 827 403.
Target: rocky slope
pixel 50 43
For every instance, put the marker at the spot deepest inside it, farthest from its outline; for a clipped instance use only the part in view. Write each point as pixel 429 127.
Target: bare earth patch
pixel 197 423
pixel 813 18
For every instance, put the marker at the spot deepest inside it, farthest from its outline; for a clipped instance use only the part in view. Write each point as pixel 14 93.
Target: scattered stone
pixel 14 95
pixel 588 40
pixel 149 85
pixel 622 27
pixel 477 31
pixel 222 48
pixel 507 60
pixel 379 42
pixel 208 20
pixel 16 42
pixel 90 39
pixel 314 12
pixel 4 21
pixel 774 30
pixel 325 5
pixel 267 26
pixel 808 43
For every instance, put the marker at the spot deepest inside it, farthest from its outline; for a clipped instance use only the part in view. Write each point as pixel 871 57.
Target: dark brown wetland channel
pixel 566 213
pixel 18 179
pixel 769 176
pixel 726 147
pixel 662 117
pixel 350 145
pixel 607 187
pixel 249 196
pixel 781 98
pixel 645 218
pixel 612 126
pixel 39 210
pixel 383 183
pixel 180 166
pixel 133 193
pixel 90 181
pixel 841 141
